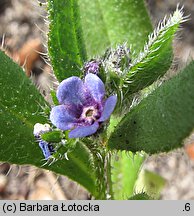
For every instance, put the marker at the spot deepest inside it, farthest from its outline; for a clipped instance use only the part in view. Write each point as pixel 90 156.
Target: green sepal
pixel 53 136
pixel 54 97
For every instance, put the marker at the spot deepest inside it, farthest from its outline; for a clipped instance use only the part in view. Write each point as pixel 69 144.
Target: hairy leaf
pixel 150 183
pixel 140 196
pixel 156 58
pixel 65 42
pixel 126 167
pixel 21 106
pixel 118 22
pixel 81 30
pixel 160 122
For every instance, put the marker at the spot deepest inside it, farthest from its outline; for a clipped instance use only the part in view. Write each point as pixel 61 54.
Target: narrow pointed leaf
pixel 20 108
pixel 65 42
pixel 81 30
pixel 126 168
pixel 156 58
pixel 160 122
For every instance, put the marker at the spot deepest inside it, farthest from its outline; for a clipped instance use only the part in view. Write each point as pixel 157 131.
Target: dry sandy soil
pixel 22 29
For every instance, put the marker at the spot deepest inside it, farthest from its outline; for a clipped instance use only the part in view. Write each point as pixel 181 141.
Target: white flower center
pixel 89 114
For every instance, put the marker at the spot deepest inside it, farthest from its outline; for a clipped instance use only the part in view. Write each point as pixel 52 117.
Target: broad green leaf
pixel 83 29
pixel 112 22
pixel 20 108
pixel 150 183
pixel 161 121
pixel 156 58
pixel 126 167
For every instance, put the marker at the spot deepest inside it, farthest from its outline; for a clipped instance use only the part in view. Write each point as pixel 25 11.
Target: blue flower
pixel 47 148
pixel 82 106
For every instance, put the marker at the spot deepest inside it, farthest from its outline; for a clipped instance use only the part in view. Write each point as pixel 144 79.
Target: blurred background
pixel 23 37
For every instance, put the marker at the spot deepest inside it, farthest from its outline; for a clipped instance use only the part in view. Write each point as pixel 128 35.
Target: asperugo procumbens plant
pixel 102 124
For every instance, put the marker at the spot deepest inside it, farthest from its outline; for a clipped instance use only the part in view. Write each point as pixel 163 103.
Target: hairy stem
pixel 99 163
pixel 102 168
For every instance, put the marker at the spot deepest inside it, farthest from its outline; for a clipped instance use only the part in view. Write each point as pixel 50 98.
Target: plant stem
pixel 102 168
pixel 101 186
pixel 108 175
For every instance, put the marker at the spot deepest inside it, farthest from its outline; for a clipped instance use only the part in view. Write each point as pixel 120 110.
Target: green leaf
pixel 156 58
pixel 111 22
pixel 160 122
pixel 20 108
pixel 150 183
pixel 126 167
pixel 140 196
pixel 65 44
pixel 80 30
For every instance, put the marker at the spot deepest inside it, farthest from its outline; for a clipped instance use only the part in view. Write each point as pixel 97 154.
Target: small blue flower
pixel 47 149
pixel 83 106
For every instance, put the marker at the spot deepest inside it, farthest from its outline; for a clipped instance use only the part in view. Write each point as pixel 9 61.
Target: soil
pixel 22 31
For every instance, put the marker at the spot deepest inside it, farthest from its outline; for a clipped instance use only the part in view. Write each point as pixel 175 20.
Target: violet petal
pixel 63 117
pixel 95 86
pixel 83 131
pixel 71 91
pixel 108 108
